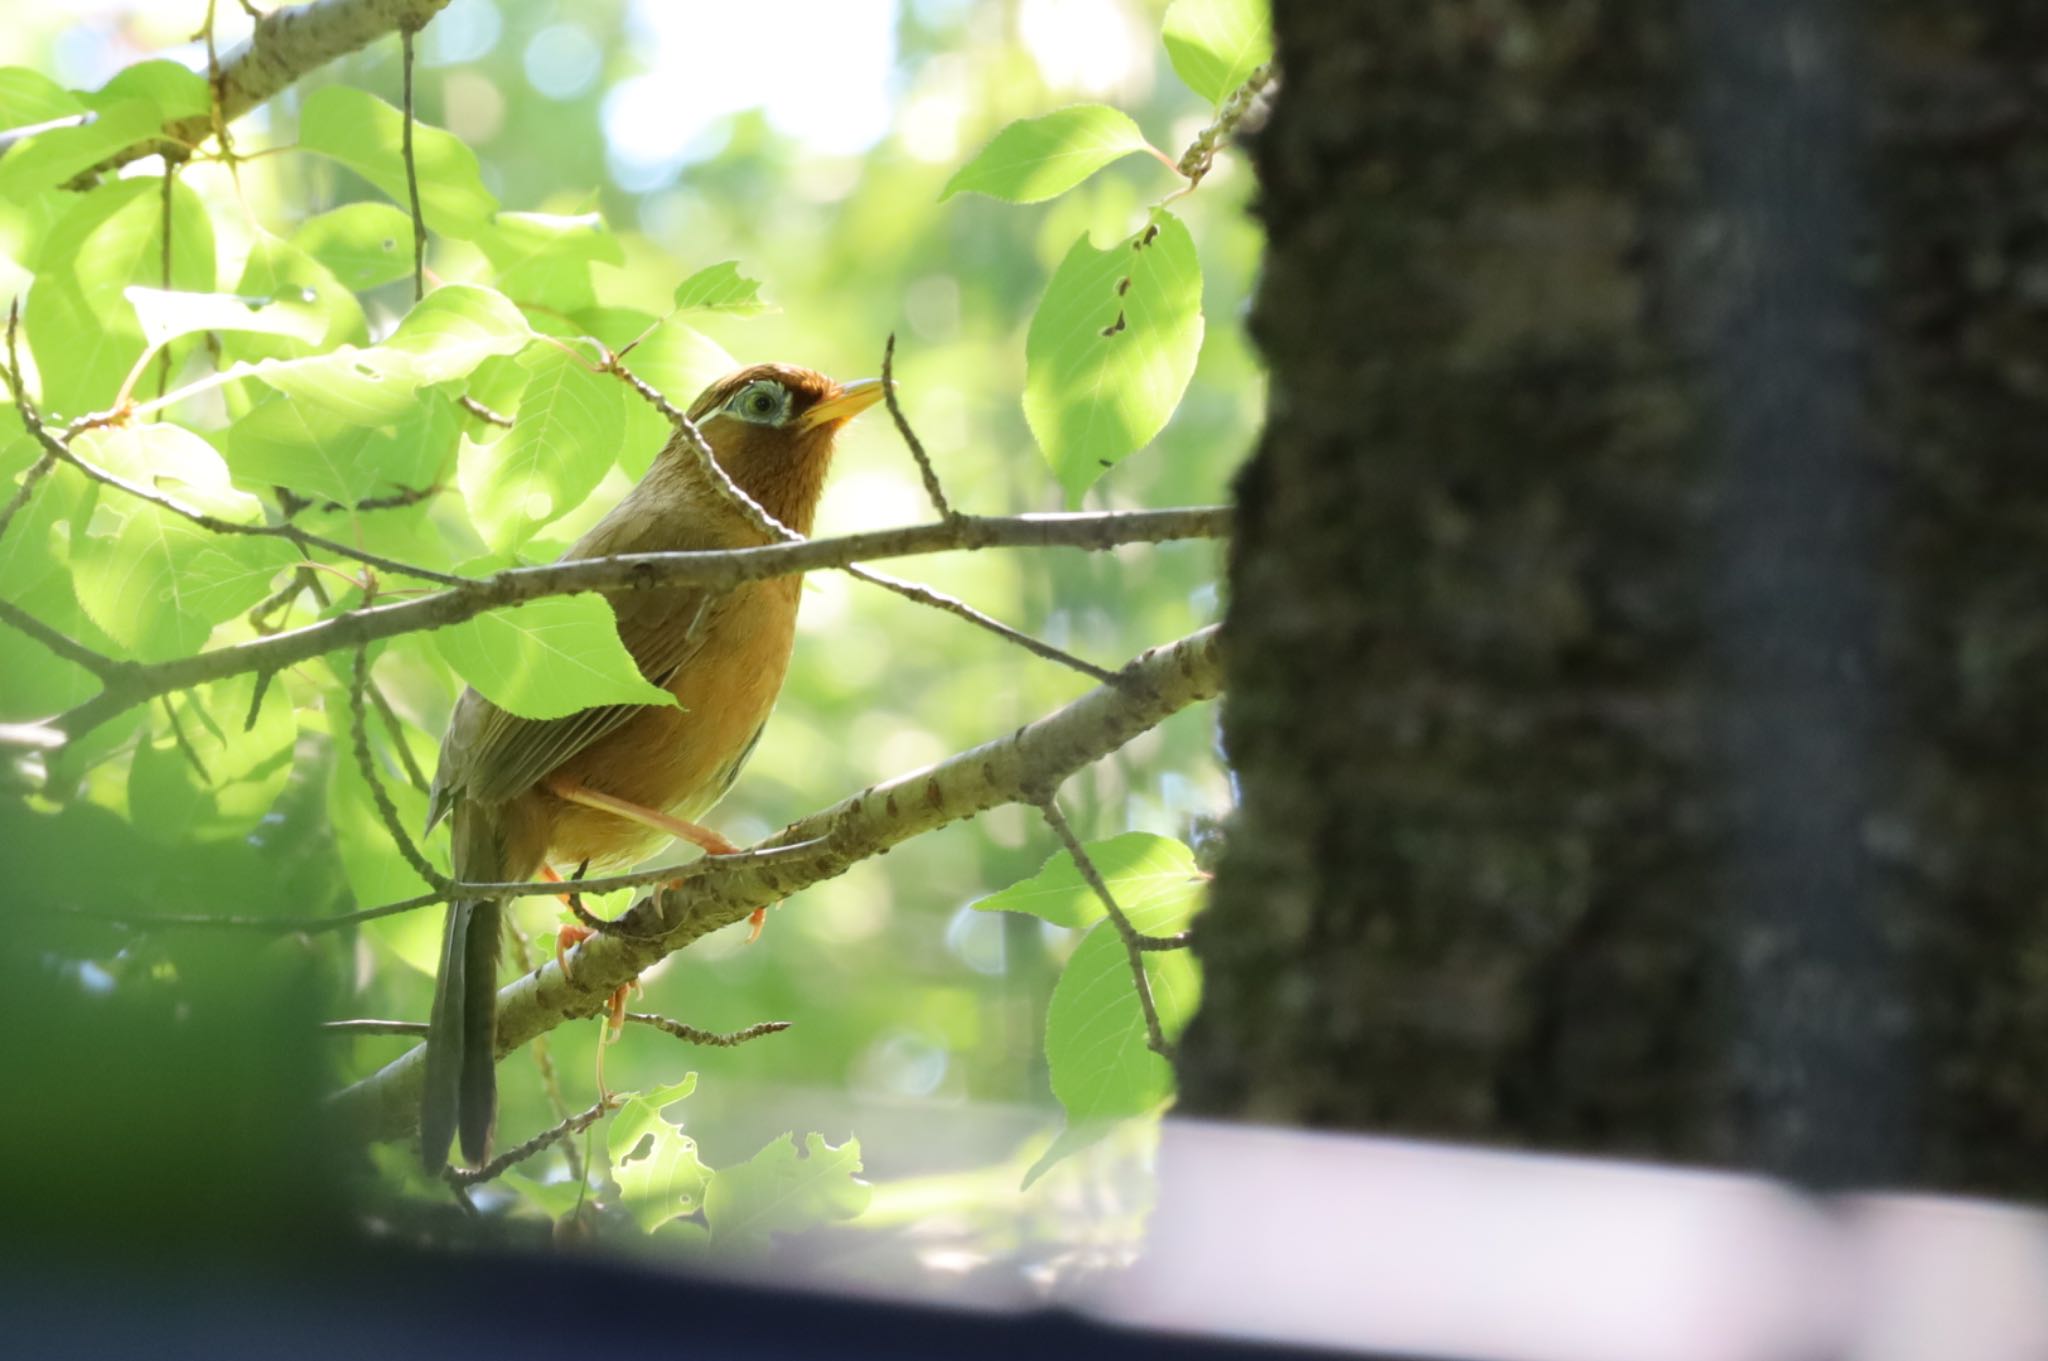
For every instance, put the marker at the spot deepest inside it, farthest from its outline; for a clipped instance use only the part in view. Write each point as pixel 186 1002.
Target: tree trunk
pixel 1637 627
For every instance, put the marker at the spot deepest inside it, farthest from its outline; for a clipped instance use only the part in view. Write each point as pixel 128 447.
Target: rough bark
pixel 1634 648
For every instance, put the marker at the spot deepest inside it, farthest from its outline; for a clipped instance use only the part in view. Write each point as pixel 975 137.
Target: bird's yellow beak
pixel 853 399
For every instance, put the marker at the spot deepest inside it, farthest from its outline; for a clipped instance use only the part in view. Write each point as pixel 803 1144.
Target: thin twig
pixel 359 731
pixel 463 1177
pixel 412 177
pixel 690 1034
pixel 414 776
pixel 925 595
pixel 482 412
pixel 1155 1036
pixel 925 469
pixel 62 451
pixel 1201 153
pixel 184 744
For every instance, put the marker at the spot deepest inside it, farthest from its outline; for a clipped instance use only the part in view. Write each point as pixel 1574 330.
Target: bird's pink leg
pixel 706 840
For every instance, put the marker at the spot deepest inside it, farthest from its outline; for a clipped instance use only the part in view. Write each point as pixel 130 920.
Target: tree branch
pixel 1013 769
pixel 638 571
pixel 287 43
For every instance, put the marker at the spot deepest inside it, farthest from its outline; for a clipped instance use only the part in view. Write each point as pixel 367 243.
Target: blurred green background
pixel 808 141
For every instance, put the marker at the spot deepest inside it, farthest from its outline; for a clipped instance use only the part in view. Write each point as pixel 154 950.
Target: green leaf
pixel 366 134
pixel 777 1191
pixel 544 260
pixel 280 271
pixel 321 455
pixel 37 540
pixel 156 582
pixel 548 658
pixel 166 314
pixel 445 336
pixel 563 440
pixel 1215 45
pixel 1138 868
pixel 172 90
pixel 659 1174
pixel 28 97
pixel 364 244
pixel 50 158
pixel 1095 1040
pixel 1035 159
pixel 245 766
pixel 1111 349
pixel 720 288
pixel 80 326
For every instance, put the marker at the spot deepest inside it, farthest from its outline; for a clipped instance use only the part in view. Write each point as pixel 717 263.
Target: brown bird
pixel 607 786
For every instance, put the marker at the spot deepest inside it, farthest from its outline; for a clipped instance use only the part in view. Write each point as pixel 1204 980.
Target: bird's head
pixel 772 427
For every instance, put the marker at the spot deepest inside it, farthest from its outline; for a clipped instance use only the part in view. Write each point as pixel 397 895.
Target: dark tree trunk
pixel 1639 625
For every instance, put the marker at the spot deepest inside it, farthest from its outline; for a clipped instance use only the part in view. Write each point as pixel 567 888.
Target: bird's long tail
pixel 462 1076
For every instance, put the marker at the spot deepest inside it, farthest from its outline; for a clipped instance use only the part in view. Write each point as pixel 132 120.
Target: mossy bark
pixel 1637 631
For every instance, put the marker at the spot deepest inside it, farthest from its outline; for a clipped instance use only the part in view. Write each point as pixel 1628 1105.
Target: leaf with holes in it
pixel 1137 867
pixel 547 658
pixel 364 244
pixel 720 288
pixel 1215 45
pixel 563 440
pixel 777 1191
pixel 1034 159
pixel 1095 1039
pixel 655 1164
pixel 366 135
pixel 1111 349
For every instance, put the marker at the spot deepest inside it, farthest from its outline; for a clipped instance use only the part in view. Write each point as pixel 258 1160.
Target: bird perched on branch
pixel 605 787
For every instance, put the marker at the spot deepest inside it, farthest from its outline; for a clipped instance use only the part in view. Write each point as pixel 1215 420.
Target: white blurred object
pixel 1386 1245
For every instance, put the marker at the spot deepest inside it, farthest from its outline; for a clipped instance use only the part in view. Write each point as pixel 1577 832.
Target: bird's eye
pixel 763 403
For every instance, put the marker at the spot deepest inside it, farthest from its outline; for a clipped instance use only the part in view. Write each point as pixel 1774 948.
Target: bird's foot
pixel 571 935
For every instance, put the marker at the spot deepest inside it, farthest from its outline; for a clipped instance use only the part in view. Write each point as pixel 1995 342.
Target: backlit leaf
pixel 366 135
pixel 563 440
pixel 1215 45
pixel 1136 866
pixel 778 1191
pixel 50 158
pixel 544 260
pixel 720 288
pixel 548 658
pixel 1111 349
pixel 364 244
pixel 659 1175
pixel 1095 1039
pixel 1035 159
pixel 166 314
